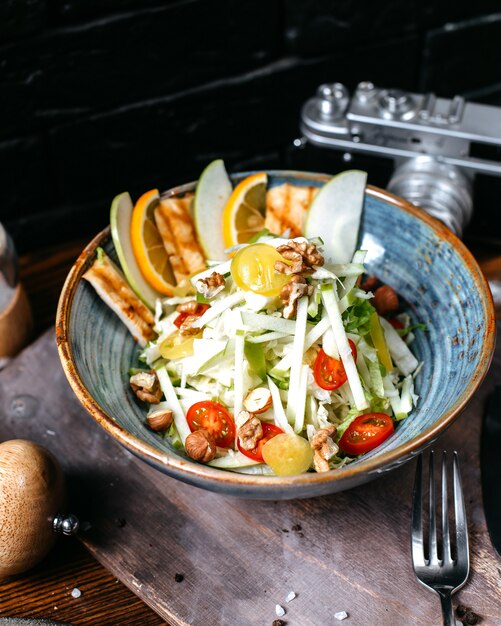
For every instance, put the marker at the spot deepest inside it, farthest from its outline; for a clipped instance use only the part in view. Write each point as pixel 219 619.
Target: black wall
pixel 102 96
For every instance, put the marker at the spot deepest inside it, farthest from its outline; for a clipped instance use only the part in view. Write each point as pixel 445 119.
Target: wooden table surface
pixel 46 590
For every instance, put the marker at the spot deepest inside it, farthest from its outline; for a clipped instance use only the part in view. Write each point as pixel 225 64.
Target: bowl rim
pixel 197 473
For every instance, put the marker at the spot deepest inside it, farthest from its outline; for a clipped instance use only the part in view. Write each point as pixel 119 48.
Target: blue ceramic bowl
pixel 415 254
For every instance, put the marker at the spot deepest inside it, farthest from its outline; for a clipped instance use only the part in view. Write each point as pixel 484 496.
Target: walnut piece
pixel 242 417
pixel 385 300
pixel 319 463
pixel 303 257
pixel 187 327
pixel 160 420
pixel 298 266
pixel 250 433
pixel 324 446
pixel 295 288
pixel 320 437
pixel 210 286
pixel 146 386
pixel 200 445
pixel 190 307
pixel 258 400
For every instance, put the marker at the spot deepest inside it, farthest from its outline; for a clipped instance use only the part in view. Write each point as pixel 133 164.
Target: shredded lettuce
pixel 243 341
pixel 357 318
pixel 409 329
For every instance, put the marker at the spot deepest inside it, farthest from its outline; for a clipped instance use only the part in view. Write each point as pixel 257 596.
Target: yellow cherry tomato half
pixel 253 269
pixel 177 346
pixel 287 454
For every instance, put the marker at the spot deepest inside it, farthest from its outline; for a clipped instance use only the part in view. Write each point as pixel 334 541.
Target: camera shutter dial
pixel 396 104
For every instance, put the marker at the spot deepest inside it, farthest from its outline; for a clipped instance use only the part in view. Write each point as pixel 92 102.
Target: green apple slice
pixel 335 214
pixel 254 353
pixel 120 219
pixel 213 192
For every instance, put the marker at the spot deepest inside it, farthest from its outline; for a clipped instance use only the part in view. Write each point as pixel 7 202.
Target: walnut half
pixel 324 448
pixel 295 288
pixel 250 432
pixel 302 256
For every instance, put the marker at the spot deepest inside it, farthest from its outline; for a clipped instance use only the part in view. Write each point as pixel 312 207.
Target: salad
pixel 280 358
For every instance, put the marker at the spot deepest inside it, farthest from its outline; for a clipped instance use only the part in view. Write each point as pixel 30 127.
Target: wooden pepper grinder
pixel 16 322
pixel 32 496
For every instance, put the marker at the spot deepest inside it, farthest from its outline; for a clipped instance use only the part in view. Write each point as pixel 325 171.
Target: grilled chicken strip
pixel 183 241
pixel 111 286
pixel 286 207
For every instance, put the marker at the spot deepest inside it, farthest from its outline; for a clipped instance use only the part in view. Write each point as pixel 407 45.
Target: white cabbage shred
pixel 239 323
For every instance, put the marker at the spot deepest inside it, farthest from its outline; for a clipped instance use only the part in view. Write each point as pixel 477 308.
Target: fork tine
pixel 432 540
pixel 417 516
pixel 444 576
pixel 460 512
pixel 446 540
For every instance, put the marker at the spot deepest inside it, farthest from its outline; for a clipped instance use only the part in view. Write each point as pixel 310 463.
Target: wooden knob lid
pixel 31 493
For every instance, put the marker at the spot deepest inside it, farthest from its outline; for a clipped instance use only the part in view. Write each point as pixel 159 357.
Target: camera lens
pixel 443 190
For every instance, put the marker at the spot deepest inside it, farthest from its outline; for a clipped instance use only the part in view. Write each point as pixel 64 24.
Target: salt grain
pixel 279 610
pixel 76 593
pixel 291 595
pixel 341 615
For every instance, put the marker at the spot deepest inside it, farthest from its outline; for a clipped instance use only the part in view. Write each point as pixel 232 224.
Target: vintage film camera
pixel 438 146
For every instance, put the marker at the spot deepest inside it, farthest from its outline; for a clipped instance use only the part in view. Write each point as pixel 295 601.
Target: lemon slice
pixel 120 220
pixel 148 246
pixel 244 212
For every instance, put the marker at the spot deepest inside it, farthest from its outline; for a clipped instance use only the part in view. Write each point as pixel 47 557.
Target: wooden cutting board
pixel 201 559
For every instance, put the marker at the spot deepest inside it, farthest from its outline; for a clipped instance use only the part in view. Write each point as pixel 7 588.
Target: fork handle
pixel 446 602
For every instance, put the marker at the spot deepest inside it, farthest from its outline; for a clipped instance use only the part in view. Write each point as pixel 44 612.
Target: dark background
pixel 103 96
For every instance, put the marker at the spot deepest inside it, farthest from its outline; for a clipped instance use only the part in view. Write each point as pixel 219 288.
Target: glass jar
pixel 15 314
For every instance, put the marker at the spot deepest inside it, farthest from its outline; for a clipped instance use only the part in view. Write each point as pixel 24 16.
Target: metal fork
pixel 440 572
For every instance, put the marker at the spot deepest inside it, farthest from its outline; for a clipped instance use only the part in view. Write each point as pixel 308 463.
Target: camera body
pixel 438 145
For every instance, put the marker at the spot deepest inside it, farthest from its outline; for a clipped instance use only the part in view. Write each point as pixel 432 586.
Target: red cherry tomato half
pixel 200 310
pixel 215 418
pixel 365 433
pixel 269 431
pixel 328 372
